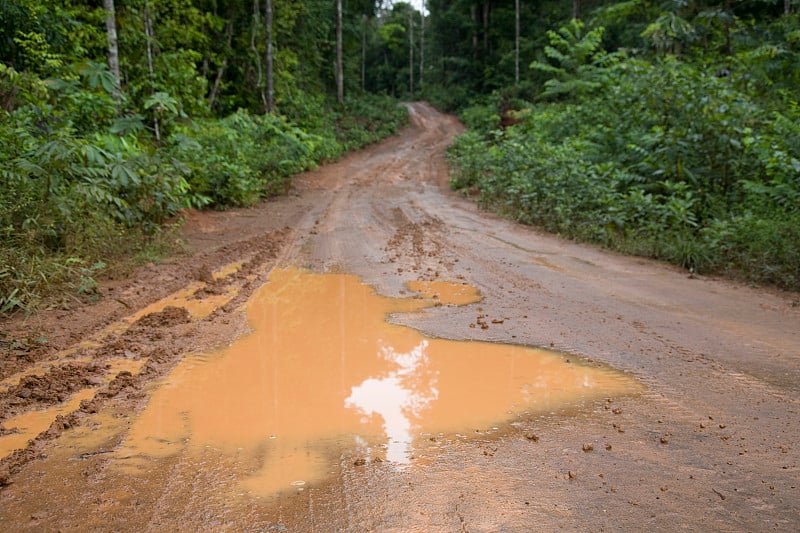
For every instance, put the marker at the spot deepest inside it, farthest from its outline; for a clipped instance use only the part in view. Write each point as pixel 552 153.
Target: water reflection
pixel 323 371
pixel 399 398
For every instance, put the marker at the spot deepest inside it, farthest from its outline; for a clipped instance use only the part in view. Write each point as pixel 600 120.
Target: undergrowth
pixel 651 157
pixel 86 188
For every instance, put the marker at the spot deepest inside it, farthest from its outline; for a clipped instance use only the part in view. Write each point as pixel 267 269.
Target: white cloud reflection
pixel 399 398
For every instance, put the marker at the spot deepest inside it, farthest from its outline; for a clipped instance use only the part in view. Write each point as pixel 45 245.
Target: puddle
pixel 187 298
pixel 227 270
pixel 323 374
pixel 30 424
pixel 198 307
pixel 446 292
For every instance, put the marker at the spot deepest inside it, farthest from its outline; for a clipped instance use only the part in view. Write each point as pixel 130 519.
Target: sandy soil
pixel 710 444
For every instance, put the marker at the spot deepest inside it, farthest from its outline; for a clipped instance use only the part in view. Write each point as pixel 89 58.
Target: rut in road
pixel 712 442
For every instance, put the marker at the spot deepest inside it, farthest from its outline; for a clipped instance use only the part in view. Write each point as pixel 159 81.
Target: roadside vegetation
pixel 667 129
pixel 95 168
pixel 680 141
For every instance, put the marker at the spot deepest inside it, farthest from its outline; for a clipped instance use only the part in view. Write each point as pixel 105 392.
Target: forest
pixel 664 129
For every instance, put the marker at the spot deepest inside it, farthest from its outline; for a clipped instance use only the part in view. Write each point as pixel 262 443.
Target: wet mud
pixel 70 385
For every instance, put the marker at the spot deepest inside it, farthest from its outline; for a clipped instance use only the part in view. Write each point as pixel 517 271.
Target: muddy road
pixel 374 353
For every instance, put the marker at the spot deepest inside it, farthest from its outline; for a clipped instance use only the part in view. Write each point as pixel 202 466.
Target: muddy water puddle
pixel 323 375
pixel 191 298
pixel 28 425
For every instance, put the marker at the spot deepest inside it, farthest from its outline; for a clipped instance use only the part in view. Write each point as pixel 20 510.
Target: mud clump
pixel 414 241
pixel 170 316
pixel 123 383
pixel 121 348
pixel 124 380
pixel 215 288
pixel 58 426
pixel 158 326
pixel 18 351
pixel 55 386
pixel 159 361
pixel 13 463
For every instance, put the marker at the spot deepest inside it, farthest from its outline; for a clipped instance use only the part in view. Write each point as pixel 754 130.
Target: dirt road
pixel 704 434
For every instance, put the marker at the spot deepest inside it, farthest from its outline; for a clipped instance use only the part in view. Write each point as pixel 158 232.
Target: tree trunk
pixel 269 55
pixel 486 11
pixel 113 49
pixel 257 56
pixel 576 9
pixel 474 16
pixel 212 97
pixel 149 38
pixel 364 53
pixel 516 42
pixel 339 54
pixel 411 50
pixel 787 7
pixel 422 44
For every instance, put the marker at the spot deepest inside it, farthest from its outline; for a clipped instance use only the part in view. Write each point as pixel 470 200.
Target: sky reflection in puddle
pixel 323 373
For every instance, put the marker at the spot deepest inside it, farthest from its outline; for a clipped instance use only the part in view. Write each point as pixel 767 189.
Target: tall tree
pixel 254 30
pixel 269 55
pixel 212 97
pixel 339 55
pixel 516 42
pixel 113 48
pixel 363 52
pixel 149 42
pixel 411 51
pixel 422 44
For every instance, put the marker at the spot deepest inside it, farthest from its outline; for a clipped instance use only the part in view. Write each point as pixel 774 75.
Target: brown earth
pixel 711 444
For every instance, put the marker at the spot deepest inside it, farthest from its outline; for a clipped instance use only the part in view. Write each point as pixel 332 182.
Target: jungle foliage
pixel 94 172
pixel 670 131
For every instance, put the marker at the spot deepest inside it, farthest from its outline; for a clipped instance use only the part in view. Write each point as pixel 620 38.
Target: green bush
pixel 85 183
pixel 366 119
pixel 481 118
pixel 765 249
pixel 243 157
pixel 667 161
pixel 71 203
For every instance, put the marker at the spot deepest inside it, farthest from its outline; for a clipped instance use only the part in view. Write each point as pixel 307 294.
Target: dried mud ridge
pixel 156 340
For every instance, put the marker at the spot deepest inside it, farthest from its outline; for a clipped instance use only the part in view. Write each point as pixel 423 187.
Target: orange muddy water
pixel 323 371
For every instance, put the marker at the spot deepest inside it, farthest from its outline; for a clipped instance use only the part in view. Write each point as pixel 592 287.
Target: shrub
pixel 668 162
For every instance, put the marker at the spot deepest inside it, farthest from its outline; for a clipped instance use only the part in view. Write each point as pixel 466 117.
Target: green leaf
pixel 128 124
pixel 162 101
